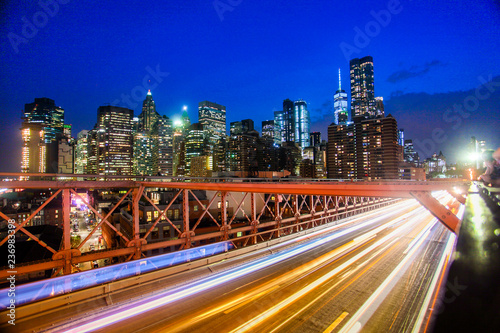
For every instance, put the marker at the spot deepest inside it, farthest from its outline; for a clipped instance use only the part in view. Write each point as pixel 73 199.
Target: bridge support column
pixel 277 214
pixel 223 212
pixel 443 214
pixel 254 222
pixel 66 221
pixel 185 217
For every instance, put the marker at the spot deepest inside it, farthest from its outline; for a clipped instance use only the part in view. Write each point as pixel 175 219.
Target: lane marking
pixel 336 322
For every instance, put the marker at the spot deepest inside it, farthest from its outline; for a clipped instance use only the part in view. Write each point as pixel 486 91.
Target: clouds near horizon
pixel 413 71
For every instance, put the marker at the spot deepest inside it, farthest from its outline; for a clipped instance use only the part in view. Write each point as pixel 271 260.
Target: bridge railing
pixel 241 212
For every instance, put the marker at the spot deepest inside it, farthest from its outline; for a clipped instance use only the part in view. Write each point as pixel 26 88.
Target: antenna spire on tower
pixel 340 85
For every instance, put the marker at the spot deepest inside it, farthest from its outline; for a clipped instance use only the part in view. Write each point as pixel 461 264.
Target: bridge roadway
pixel 378 272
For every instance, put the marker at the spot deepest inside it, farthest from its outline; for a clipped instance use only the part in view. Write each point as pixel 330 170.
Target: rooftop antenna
pixel 340 85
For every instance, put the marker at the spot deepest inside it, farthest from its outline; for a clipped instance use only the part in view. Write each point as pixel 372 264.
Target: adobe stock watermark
pixel 372 29
pixel 222 6
pixel 139 92
pixel 11 263
pixel 456 115
pixel 30 28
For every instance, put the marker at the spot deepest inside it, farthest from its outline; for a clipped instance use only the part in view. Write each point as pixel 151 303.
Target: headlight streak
pixel 365 312
pixel 386 242
pixel 220 278
pixel 272 311
pixel 445 258
pixel 422 235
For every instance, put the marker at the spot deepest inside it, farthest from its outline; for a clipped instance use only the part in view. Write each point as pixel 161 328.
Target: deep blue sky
pixel 428 56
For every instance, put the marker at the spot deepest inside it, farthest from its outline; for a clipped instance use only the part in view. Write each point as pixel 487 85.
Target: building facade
pixel 365 149
pixel 213 118
pixel 112 143
pixel 362 87
pixel 340 109
pixel 44 135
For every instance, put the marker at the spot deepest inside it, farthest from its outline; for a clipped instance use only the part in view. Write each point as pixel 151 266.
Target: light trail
pixel 220 278
pixel 445 259
pixel 361 317
pixel 387 241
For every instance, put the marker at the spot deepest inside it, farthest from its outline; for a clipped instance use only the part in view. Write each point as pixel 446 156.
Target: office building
pixel 293 123
pixel 268 128
pixel 212 117
pixel 409 153
pixel 239 127
pixel 379 107
pixel 196 144
pixel 165 146
pixel 362 87
pixel 315 139
pixel 340 110
pixel 148 119
pixel 302 123
pixel 81 152
pixel 365 149
pixel 146 140
pixel 113 145
pixel 44 137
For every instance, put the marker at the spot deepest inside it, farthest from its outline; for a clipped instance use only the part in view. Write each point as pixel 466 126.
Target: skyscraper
pixel 165 146
pixel 148 118
pixel 315 139
pixel 42 133
pixel 379 106
pixel 81 152
pixel 196 143
pixel 238 127
pixel 293 123
pixel 302 123
pixel 340 104
pixel 146 140
pixel 268 129
pixel 113 141
pixel 365 149
pixel 213 118
pixel 362 87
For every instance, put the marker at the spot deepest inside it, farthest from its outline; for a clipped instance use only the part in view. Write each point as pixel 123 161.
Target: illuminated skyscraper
pixel 114 141
pixel 165 146
pixel 362 87
pixel 340 104
pixel 148 118
pixel 302 123
pixel 365 149
pixel 81 152
pixel 213 118
pixel 43 131
pixel 196 144
pixel 146 140
pixel 293 123
pixel 268 129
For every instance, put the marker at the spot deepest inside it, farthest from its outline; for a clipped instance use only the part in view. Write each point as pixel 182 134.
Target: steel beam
pixel 359 189
pixel 443 214
pixel 457 196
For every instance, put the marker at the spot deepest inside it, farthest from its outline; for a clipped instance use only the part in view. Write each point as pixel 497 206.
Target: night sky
pixel 431 61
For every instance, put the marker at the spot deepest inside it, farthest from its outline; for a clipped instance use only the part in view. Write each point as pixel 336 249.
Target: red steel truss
pixel 276 209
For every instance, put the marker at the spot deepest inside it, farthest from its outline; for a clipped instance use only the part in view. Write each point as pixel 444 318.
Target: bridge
pixel 244 216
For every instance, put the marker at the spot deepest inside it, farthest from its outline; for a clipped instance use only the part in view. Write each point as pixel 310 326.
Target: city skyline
pixel 239 66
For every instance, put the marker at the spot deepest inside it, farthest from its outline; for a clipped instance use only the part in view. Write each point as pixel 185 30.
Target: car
pixel 95 264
